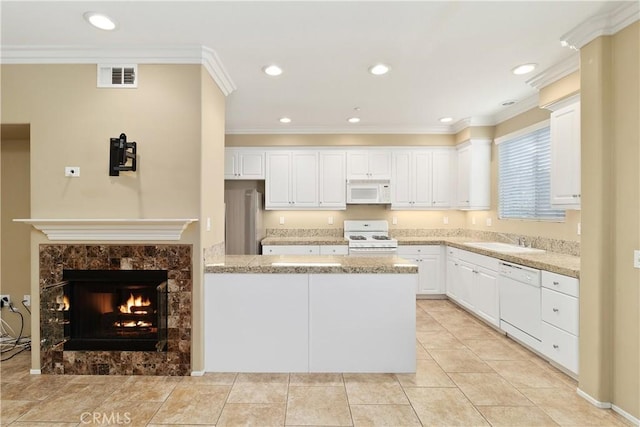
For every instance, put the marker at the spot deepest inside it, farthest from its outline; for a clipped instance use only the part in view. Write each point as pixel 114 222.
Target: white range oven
pixel 369 238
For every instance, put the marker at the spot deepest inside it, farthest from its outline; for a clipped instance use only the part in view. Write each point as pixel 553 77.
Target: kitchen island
pixel 309 314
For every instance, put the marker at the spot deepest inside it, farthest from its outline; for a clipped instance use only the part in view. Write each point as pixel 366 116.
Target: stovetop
pixel 369 234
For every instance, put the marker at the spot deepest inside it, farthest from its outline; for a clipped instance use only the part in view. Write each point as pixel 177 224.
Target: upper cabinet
pixel 474 175
pixel 369 164
pixel 243 163
pixel 305 179
pixel 565 153
pixel 421 179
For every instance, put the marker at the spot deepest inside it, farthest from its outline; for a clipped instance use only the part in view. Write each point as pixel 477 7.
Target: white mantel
pixel 139 230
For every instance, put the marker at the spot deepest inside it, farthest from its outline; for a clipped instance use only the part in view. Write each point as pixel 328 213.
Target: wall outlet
pixel 6 299
pixel 281 220
pixel 473 220
pixel 488 222
pixel 26 299
pixel 208 224
pixel 72 171
pixel 445 220
pixel 636 258
pixel 579 229
pixel 330 220
pixel 394 220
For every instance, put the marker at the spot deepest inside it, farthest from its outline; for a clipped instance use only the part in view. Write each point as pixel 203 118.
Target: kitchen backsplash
pixel 551 245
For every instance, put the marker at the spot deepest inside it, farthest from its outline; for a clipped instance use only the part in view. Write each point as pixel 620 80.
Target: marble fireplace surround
pixel 175 258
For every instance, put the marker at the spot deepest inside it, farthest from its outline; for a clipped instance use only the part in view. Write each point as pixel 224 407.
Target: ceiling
pixel 447 58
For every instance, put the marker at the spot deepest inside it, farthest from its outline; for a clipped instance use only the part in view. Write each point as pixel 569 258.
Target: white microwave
pixel 368 192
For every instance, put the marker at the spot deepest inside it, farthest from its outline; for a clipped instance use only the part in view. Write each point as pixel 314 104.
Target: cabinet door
pixel 332 180
pixel 429 275
pixel 230 164
pixel 565 157
pixel 357 165
pixel 464 170
pixel 379 165
pixel 465 284
pixel 401 190
pixel 485 295
pixel 441 179
pixel 278 181
pixel 421 179
pixel 251 164
pixel 304 168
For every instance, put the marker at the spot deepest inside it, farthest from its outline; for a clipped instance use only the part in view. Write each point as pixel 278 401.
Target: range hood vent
pixel 118 76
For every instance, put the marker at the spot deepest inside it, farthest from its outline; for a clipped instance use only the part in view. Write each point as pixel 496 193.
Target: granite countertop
pixel 302 264
pixel 567 265
pixel 315 240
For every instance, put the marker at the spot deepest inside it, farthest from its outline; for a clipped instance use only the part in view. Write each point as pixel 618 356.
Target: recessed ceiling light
pixel 285 120
pixel 508 102
pixel 100 20
pixel 379 69
pixel 446 119
pixel 272 70
pixel 353 119
pixel 523 69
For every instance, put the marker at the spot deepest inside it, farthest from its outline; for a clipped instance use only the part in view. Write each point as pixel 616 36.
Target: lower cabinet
pixel 429 259
pixel 305 250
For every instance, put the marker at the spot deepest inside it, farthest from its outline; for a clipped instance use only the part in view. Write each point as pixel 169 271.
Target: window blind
pixel 524 178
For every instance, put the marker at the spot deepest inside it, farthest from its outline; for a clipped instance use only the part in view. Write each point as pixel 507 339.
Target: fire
pixel 133 324
pixel 63 302
pixel 135 302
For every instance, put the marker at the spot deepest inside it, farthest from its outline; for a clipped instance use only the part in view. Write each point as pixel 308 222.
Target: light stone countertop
pixel 304 264
pixel 567 265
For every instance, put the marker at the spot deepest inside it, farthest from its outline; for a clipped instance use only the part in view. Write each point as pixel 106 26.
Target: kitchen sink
pixel 504 248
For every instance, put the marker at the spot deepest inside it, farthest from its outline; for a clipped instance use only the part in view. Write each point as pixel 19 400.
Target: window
pixel 524 175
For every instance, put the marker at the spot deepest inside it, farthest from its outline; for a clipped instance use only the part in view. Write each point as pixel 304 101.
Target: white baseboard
pixel 197 373
pixel 628 416
pixel 608 405
pixel 35 371
pixel 593 401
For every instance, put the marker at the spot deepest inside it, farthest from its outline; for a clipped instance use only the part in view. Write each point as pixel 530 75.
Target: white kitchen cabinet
pixel 332 180
pixel 565 153
pixel 369 164
pixel 334 250
pixel 291 250
pixel 421 179
pixel 243 163
pixel 291 180
pixel 560 319
pixel 430 267
pixel 473 283
pixel 474 175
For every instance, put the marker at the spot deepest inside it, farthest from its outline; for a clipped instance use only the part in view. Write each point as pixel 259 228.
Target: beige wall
pixel 609 288
pixel 233 140
pixel 14 254
pixel 566 86
pixel 71 122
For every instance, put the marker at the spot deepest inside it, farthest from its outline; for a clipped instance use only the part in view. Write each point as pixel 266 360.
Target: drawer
pixel 560 346
pixel 453 252
pixel 334 250
pixel 558 282
pixel 560 310
pixel 418 250
pixel 291 250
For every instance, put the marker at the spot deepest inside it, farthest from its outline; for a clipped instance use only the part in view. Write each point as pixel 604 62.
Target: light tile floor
pixel 467 375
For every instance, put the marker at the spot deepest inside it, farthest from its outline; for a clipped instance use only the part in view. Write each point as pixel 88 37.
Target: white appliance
pixel 369 238
pixel 520 295
pixel 368 192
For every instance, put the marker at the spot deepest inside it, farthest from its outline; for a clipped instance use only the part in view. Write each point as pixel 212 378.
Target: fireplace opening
pixel 114 309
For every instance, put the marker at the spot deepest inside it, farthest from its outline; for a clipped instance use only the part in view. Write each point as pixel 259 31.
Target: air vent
pixel 118 76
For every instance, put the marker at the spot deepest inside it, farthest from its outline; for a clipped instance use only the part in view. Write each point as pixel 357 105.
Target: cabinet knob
pixel 555 310
pixel 556 283
pixel 556 346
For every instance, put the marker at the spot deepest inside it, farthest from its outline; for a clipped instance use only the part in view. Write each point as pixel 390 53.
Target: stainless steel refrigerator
pixel 243 222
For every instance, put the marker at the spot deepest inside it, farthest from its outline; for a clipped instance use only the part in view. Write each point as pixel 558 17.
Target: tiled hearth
pixel 175 259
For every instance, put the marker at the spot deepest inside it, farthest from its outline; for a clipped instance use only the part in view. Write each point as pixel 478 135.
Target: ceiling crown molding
pixel 137 55
pixel 341 130
pixel 556 72
pixel 603 25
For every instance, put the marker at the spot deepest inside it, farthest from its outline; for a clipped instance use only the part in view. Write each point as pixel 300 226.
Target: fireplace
pixel 114 309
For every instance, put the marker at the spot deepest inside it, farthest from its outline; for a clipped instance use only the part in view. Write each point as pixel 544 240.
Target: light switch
pixel 636 258
pixel 394 220
pixel 330 220
pixel 579 229
pixel 445 220
pixel 488 222
pixel 281 220
pixel 473 220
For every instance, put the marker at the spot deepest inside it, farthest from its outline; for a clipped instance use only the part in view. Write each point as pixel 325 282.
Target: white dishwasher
pixel 520 303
